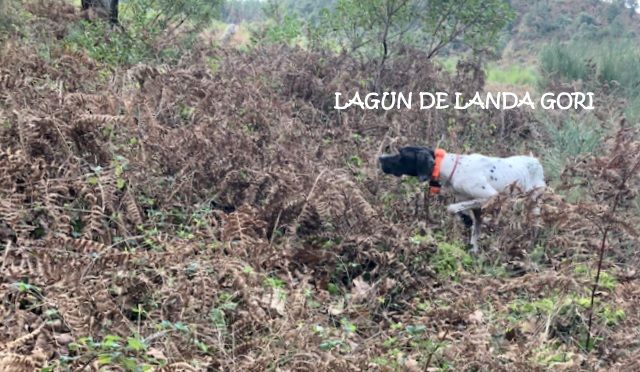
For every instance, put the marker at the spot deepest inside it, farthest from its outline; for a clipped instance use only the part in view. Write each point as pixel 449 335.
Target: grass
pixel 512 74
pixel 449 63
pixel 192 282
pixel 240 39
pixel 612 62
pixel 515 74
pixel 450 259
pixel 569 140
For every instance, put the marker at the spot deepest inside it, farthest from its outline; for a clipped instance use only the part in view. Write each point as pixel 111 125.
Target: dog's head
pixel 411 161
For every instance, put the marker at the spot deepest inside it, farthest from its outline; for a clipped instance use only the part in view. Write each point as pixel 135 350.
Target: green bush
pixel 542 20
pixel 450 259
pixel 569 140
pixel 7 18
pixel 105 45
pixel 613 61
pixel 514 75
pixel 150 30
pixel 558 60
pixel 286 32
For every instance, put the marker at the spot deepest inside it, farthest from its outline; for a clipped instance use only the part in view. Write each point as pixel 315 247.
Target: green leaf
pixel 347 325
pixel 218 318
pixel 333 289
pixel 131 364
pixel 120 183
pixel 181 327
pixel 136 344
pixel 201 345
pixel 416 329
pixel 111 342
pixel 104 359
pixel 330 344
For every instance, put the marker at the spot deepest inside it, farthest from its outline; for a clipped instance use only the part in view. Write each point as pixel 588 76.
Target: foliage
pixel 114 351
pixel 557 59
pixel 513 74
pixel 236 11
pixel 9 18
pixel 377 27
pixel 568 141
pixel 287 31
pixel 158 15
pixel 151 30
pixel 450 259
pixel 190 220
pixel 541 19
pixel 610 62
pixel 101 44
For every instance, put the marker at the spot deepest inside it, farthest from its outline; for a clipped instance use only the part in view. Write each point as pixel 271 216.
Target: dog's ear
pixel 425 161
pixel 408 152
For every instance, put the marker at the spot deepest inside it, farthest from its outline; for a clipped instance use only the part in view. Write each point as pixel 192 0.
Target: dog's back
pixel 500 173
pixel 478 174
pixel 473 179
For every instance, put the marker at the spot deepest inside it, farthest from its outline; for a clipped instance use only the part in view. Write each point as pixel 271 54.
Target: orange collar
pixel 440 153
pixel 434 185
pixel 435 175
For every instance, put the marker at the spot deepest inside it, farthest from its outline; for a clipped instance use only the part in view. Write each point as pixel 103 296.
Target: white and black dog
pixel 473 178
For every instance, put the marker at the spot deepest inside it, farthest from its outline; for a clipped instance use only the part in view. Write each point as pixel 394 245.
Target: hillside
pixel 170 202
pixel 541 22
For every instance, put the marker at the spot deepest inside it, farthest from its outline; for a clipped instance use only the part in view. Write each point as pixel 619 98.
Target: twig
pixel 82 367
pixel 6 255
pixel 275 228
pixel 603 245
pixel 427 202
pixel 446 332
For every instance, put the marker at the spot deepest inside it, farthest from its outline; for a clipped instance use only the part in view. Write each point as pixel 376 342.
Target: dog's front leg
pixel 475 206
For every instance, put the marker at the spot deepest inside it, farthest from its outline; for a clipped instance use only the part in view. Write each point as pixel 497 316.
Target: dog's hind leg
pixel 466 205
pixel 466 219
pixel 538 221
pixel 535 196
pixel 476 217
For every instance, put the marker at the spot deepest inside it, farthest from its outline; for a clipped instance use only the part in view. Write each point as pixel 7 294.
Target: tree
pixel 374 29
pixel 157 29
pixel 107 7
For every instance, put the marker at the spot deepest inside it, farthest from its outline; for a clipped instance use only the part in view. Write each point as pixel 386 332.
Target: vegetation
pixel 150 31
pixel 172 202
pixel 610 62
pixel 514 74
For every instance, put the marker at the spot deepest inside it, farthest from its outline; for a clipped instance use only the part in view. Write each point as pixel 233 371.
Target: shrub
pixel 514 75
pixel 110 47
pixel 569 140
pixel 151 29
pixel 612 62
pixel 285 32
pixel 450 259
pixel 7 18
pixel 558 60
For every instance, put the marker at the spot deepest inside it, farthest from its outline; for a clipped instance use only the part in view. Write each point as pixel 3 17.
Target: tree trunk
pixel 107 7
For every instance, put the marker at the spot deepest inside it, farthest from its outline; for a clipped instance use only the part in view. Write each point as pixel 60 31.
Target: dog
pixel 473 178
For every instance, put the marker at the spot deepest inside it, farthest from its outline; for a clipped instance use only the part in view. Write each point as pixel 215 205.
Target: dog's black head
pixel 411 161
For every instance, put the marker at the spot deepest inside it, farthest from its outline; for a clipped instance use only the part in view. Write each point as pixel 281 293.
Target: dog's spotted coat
pixel 476 178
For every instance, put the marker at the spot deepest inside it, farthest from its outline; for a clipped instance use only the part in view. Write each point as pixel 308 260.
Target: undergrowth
pixel 215 213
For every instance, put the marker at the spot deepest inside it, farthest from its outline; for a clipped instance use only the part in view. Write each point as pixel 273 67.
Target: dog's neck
pixel 447 167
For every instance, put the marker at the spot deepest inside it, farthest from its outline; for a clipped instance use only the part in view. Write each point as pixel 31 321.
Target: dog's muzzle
pixel 388 163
